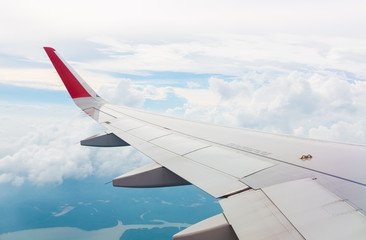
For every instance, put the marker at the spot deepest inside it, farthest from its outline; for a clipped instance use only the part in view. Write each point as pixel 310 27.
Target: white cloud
pixel 198 97
pixel 35 78
pixel 18 181
pixel 234 54
pixel 6 177
pixel 193 85
pixel 202 37
pixel 165 202
pixel 318 104
pixel 230 54
pixel 51 153
pixel 116 161
pixel 48 155
pixel 124 93
pixel 354 131
pixel 65 210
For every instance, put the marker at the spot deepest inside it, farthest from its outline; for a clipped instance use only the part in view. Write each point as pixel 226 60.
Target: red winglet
pixel 73 86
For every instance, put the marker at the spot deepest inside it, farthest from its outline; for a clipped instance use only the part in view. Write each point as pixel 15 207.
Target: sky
pixel 288 67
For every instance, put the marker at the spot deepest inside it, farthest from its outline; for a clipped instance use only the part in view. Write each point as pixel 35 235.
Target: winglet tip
pixel 49 49
pixel 72 81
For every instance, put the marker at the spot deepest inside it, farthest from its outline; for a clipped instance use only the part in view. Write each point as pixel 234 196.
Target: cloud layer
pixel 289 67
pixel 323 105
pixel 51 153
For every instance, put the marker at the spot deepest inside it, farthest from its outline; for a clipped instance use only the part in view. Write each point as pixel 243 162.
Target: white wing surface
pixel 269 186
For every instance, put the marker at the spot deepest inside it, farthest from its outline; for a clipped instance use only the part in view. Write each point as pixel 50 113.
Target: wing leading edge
pixel 258 177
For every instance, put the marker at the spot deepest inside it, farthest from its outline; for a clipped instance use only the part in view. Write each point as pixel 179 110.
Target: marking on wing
pixel 248 149
pixel 306 157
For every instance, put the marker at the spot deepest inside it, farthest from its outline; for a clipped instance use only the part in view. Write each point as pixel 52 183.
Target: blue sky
pixel 289 67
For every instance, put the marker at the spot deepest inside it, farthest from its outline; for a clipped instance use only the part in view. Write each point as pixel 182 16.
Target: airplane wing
pixel 269 186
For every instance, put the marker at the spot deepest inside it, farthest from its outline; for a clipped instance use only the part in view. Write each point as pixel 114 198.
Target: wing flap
pixel 234 163
pixel 149 133
pixel 316 212
pixel 126 124
pixel 212 181
pixel 253 216
pixel 179 144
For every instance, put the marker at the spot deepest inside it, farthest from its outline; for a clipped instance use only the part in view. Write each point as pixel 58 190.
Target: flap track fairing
pixel 149 176
pixel 104 140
